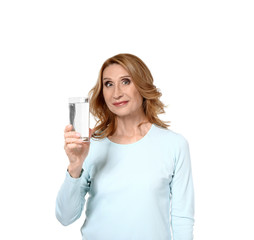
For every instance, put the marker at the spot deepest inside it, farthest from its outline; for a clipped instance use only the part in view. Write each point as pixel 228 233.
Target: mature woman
pixel 136 171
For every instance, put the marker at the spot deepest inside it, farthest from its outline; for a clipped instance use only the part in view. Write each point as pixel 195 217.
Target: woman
pixel 137 173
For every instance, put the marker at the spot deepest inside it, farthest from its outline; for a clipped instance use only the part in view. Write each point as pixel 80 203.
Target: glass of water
pixel 80 116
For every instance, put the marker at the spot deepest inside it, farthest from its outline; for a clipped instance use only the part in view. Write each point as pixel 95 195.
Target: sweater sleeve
pixel 71 198
pixel 182 194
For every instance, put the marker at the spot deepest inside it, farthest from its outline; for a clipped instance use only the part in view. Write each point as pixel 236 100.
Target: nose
pixel 117 92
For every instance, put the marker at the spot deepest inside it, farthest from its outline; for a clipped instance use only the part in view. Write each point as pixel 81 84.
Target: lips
pixel 120 103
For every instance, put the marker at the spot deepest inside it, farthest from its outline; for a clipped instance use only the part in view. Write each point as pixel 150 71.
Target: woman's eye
pixel 107 84
pixel 126 81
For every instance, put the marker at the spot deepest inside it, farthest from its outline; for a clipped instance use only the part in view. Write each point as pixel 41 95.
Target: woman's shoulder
pixel 169 134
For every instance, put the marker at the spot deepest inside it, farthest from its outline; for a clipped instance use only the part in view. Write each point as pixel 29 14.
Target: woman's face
pixel 120 93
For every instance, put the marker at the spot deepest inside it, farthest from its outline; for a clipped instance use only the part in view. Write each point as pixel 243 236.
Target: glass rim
pixel 78 100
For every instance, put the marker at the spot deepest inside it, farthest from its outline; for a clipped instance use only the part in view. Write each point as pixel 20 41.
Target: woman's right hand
pixel 76 150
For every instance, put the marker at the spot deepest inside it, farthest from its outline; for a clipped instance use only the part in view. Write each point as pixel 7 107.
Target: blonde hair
pixel 143 80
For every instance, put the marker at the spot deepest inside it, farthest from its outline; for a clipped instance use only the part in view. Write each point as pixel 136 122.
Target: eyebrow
pixel 104 79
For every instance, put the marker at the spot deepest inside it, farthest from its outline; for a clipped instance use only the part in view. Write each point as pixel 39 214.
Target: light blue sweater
pixel 138 191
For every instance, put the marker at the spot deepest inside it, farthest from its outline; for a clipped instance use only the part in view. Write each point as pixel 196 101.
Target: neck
pixel 128 126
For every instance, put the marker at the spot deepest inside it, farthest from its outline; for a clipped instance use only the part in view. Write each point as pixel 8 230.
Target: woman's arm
pixel 71 198
pixel 182 194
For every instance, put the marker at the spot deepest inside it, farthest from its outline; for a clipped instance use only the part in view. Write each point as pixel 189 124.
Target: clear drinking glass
pixel 80 116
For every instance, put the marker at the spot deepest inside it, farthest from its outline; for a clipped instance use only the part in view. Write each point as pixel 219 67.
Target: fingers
pixel 68 133
pixel 72 134
pixel 73 140
pixel 72 146
pixel 74 143
pixel 68 128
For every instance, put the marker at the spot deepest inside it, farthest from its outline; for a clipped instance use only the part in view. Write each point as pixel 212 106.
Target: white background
pixel 201 55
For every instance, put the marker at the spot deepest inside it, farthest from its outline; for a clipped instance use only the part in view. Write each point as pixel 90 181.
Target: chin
pixel 121 114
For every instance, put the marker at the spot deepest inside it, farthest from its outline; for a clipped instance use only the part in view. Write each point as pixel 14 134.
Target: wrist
pixel 75 171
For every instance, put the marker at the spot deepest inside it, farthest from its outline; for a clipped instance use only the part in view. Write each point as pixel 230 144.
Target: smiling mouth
pixel 121 103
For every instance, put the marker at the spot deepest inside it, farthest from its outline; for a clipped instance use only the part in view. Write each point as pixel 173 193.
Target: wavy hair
pixel 142 78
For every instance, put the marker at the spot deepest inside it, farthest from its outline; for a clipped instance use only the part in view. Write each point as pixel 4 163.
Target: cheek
pixel 107 98
pixel 138 97
pixel 105 94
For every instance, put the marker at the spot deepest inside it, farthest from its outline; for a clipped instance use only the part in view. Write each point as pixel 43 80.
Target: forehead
pixel 114 71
